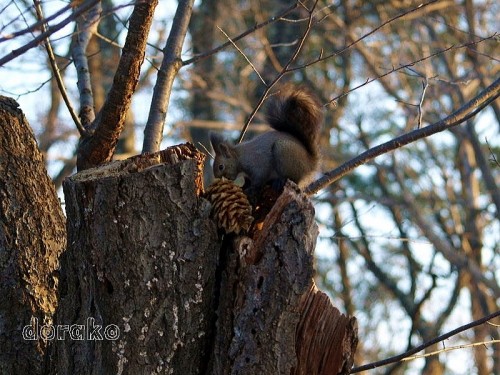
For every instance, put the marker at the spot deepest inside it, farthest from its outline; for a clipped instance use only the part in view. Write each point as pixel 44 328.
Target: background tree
pixel 421 224
pixel 405 257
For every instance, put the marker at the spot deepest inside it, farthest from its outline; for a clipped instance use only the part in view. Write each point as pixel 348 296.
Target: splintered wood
pixel 326 339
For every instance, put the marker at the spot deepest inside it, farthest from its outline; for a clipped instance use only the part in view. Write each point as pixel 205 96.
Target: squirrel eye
pixel 221 167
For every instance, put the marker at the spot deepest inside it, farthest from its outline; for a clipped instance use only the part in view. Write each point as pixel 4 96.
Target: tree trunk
pixel 145 271
pixel 139 266
pixel 143 288
pixel 272 319
pixel 32 236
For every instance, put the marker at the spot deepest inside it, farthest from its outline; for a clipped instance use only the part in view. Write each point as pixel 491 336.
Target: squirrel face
pixel 226 160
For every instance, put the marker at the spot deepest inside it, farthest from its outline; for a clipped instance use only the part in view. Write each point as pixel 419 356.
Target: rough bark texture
pixel 98 147
pixel 32 235
pixel 326 339
pixel 270 317
pixel 142 254
pixel 170 66
pixel 144 265
pixel 262 284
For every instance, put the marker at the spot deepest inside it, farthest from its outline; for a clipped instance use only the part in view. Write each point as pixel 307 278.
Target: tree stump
pixel 145 265
pixel 142 252
pixel 271 317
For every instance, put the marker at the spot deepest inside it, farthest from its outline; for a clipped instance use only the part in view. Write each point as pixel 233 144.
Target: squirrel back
pixel 290 151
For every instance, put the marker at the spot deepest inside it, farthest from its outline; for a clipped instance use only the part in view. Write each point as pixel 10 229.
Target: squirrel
pixel 290 151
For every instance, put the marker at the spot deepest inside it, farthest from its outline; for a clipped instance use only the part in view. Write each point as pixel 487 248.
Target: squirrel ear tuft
pixel 216 139
pixel 226 150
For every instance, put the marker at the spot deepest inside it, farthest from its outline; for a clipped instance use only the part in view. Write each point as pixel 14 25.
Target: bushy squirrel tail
pixel 296 111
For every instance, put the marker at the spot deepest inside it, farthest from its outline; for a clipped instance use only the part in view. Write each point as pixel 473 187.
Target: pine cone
pixel 231 208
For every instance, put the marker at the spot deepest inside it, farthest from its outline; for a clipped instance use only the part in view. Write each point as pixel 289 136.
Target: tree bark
pixel 263 282
pixel 32 236
pixel 140 263
pixel 170 66
pixel 271 317
pixel 98 147
pixel 145 266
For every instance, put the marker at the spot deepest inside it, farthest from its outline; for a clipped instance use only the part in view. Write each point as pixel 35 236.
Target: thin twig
pixel 206 150
pixel 449 349
pixel 243 54
pixel 241 36
pixel 406 66
pixel 286 69
pixel 371 32
pixel 467 111
pixel 51 30
pixel 21 15
pixel 57 72
pixel 425 84
pixel 35 26
pixel 492 154
pixel 107 40
pixel 419 348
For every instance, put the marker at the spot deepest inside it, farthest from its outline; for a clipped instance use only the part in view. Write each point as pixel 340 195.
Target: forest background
pixel 409 241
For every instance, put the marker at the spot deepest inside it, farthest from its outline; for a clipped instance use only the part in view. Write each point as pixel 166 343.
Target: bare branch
pixel 170 66
pixel 419 348
pixel 449 349
pixel 56 71
pixel 243 54
pixel 241 36
pixel 86 25
pixel 406 66
pixel 469 110
pixel 286 69
pixel 51 30
pixel 99 147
